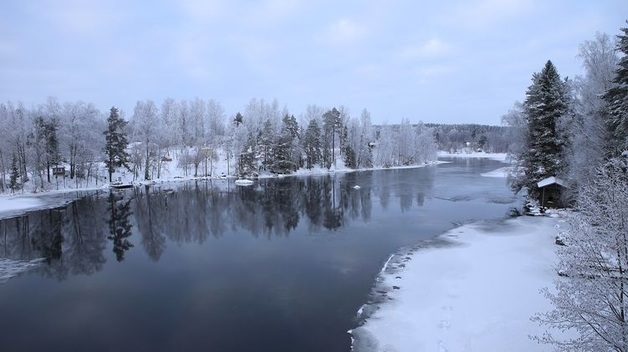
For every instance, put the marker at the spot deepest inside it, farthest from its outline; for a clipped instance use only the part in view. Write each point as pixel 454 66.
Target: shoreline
pixel 457 291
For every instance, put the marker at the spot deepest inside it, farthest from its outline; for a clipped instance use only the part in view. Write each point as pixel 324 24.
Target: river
pixel 282 265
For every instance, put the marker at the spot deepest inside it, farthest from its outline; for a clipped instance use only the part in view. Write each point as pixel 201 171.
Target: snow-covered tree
pixel 215 119
pixel 14 180
pixel 312 144
pixel 544 153
pixel 115 142
pixel 385 147
pixel 591 138
pixel 331 126
pixel 168 116
pixel 147 130
pixel 617 98
pixel 516 120
pixel 80 145
pixel 591 295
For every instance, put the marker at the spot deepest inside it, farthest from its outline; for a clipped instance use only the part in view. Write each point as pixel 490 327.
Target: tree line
pixel 578 130
pixel 197 133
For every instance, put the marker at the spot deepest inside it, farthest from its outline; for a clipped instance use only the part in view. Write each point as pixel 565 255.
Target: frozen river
pixel 282 265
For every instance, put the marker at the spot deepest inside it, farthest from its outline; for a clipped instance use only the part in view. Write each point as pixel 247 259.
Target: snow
pixel 473 289
pixel 10 268
pixel 19 203
pixel 470 154
pixel 501 172
pixel 550 181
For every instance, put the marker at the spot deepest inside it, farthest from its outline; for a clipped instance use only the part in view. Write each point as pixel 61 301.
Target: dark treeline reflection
pixel 73 239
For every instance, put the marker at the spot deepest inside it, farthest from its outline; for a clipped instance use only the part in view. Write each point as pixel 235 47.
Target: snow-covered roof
pixel 550 181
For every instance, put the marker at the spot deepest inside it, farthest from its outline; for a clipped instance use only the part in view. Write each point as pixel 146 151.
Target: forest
pixel 198 133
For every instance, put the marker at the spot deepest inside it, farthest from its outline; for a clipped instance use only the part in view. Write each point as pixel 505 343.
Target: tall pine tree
pixel 617 100
pixel 116 142
pixel 543 155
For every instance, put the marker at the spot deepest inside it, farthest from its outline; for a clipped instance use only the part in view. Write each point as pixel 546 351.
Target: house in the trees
pixel 551 191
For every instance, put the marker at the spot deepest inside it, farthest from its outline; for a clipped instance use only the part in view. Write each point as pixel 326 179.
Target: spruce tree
pixel 14 180
pixel 617 100
pixel 116 142
pixel 312 144
pixel 543 154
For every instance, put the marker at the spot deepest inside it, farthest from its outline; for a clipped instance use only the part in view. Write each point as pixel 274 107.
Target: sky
pixel 459 61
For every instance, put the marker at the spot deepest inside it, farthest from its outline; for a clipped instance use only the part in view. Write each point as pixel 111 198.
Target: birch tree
pixel 592 293
pixel 146 127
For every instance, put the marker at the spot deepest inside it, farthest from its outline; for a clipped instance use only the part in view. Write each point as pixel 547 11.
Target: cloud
pixel 425 74
pixel 483 14
pixel 203 10
pixel 433 48
pixel 344 32
pixel 80 18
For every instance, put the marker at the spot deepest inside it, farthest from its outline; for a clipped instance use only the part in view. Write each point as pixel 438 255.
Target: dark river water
pixel 282 265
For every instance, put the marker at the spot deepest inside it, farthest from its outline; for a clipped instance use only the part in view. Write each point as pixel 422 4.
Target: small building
pixel 551 191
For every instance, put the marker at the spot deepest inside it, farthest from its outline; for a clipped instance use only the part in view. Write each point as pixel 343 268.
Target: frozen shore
pixel 473 289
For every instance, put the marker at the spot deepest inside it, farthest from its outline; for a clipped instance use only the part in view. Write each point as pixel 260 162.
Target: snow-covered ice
pixel 10 204
pixel 493 156
pixel 501 172
pixel 473 289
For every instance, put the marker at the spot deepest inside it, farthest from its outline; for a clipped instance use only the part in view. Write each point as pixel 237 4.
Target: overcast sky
pixel 435 61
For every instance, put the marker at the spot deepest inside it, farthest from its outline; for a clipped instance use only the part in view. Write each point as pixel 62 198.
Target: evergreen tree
pixel 350 158
pixel 542 156
pixel 617 99
pixel 282 163
pixel 247 159
pixel 312 144
pixel 14 180
pixel 238 119
pixel 116 142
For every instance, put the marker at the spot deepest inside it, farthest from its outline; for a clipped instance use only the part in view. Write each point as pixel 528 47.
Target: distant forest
pixel 453 138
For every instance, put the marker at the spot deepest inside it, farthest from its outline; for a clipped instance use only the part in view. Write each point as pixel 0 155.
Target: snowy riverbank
pixel 472 289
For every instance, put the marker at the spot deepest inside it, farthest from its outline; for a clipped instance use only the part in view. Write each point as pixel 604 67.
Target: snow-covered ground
pixel 472 289
pixel 494 156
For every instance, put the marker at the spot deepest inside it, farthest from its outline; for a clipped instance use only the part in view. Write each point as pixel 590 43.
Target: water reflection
pixel 73 239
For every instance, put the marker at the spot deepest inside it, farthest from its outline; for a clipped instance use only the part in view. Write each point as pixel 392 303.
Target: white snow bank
pixel 19 203
pixel 475 291
pixel 494 156
pixel 10 268
pixel 501 172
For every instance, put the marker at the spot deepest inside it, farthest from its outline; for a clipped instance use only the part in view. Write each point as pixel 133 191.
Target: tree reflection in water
pixel 119 223
pixel 73 239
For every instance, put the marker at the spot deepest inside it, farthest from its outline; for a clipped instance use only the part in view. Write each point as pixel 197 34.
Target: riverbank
pixel 23 201
pixel 473 289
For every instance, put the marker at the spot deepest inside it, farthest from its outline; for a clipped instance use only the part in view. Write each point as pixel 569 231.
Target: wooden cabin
pixel 551 192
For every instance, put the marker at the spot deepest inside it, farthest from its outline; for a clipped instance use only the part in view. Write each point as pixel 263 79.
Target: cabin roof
pixel 550 181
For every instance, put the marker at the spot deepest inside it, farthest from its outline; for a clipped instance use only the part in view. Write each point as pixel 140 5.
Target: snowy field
pixel 473 289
